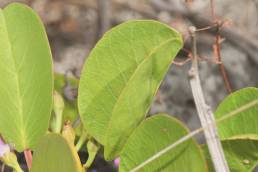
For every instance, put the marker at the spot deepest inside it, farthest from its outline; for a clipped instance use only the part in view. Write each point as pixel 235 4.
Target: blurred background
pixel 74 27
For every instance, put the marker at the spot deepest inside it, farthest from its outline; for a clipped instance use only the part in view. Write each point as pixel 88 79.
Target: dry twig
pixel 216 48
pixel 204 112
pixel 232 35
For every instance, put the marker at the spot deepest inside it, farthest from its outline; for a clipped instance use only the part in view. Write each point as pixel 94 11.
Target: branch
pixel 205 114
pixel 217 46
pixel 232 35
pixel 240 40
pixel 221 66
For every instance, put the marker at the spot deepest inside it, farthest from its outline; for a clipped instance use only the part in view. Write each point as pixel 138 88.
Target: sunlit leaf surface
pixel 121 77
pixel 26 77
pixel 153 135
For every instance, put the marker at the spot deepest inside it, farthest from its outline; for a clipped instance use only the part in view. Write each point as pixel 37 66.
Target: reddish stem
pixel 28 157
pixel 217 49
pixel 212 10
pixel 221 66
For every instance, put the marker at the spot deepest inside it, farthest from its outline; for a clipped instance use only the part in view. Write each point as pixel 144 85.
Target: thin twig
pixel 181 63
pixel 204 111
pixel 232 35
pixel 221 66
pixel 195 132
pixel 217 48
pixel 212 10
pixel 206 28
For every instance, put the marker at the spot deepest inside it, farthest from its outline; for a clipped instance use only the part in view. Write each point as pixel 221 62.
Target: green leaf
pixel 153 135
pixel 121 77
pixel 241 154
pixel 55 154
pixel 244 123
pixel 26 77
pixel 239 133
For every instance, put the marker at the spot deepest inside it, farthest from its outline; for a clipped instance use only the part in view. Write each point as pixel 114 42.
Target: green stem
pixel 58 110
pixel 81 141
pixel 58 124
pixel 10 160
pixel 18 169
pixel 92 148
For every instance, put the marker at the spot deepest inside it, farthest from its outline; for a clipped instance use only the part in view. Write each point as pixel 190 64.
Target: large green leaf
pixel 153 135
pixel 26 77
pixel 241 154
pixel 121 77
pixel 240 132
pixel 243 123
pixel 55 154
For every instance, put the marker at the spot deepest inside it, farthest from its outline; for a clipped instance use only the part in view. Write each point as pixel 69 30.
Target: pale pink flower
pixel 4 148
pixel 117 162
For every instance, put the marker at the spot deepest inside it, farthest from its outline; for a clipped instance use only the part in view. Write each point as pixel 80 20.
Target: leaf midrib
pixel 132 77
pixel 19 101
